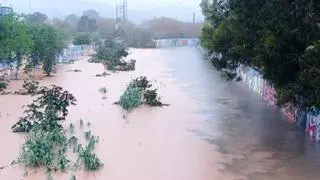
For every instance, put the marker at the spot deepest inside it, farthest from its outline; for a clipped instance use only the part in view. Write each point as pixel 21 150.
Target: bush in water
pixel 46 143
pixel 45 149
pixel 47 110
pixel 29 88
pixel 3 85
pixel 85 155
pixel 110 53
pixel 89 159
pixel 139 92
pixel 131 98
pixel 151 98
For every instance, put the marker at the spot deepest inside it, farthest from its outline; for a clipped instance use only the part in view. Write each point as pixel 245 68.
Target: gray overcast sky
pixel 137 9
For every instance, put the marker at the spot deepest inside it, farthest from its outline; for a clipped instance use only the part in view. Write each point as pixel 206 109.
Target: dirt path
pixel 151 144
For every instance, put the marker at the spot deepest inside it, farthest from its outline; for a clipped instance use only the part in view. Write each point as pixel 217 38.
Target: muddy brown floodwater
pixel 212 130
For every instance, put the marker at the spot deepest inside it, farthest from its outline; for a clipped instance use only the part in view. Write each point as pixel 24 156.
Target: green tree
pixel 15 42
pixel 110 53
pixel 92 14
pixel 86 24
pixel 82 38
pixel 270 35
pixel 48 43
pixel 36 18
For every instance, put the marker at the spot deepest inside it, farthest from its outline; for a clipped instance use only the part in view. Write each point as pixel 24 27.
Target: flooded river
pixel 213 129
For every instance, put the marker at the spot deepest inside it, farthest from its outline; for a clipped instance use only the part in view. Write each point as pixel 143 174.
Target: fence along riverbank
pixel 8 70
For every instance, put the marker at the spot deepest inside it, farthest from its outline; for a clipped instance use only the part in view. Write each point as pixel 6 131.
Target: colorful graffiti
pixel 254 81
pixel 313 125
pixel 166 43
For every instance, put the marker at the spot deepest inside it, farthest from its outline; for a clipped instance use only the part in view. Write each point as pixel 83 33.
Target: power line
pixel 122 11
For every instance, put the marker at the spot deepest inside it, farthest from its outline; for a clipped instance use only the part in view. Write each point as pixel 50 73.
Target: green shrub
pixel 131 98
pixel 73 141
pixel 110 53
pixel 151 98
pixel 141 82
pixel 87 135
pixel 47 110
pixel 37 151
pixel 46 143
pixel 73 177
pixel 31 87
pixel 139 92
pixel 45 149
pixel 82 39
pixel 3 85
pixel 89 159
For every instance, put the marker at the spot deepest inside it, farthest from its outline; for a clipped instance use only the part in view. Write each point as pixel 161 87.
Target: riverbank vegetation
pixel 130 34
pixel 47 142
pixel 38 40
pixel 278 38
pixel 138 92
pixel 111 54
pixel 30 45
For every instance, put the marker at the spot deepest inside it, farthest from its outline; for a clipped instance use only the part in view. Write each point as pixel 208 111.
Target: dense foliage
pixel 277 37
pixel 45 149
pixel 36 18
pixel 47 110
pixel 47 44
pixel 163 27
pixel 82 38
pixel 29 45
pixel 131 98
pixel 3 85
pixel 138 92
pixel 15 42
pixel 47 143
pixel 110 53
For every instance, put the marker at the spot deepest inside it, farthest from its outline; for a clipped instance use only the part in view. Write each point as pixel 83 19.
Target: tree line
pixel 26 41
pixel 90 27
pixel 32 40
pixel 279 38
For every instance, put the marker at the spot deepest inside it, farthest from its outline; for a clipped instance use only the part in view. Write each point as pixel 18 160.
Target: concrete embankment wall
pixel 310 120
pixel 73 53
pixel 167 43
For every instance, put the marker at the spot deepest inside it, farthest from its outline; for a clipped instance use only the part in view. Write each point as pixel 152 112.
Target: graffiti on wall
pixel 255 82
pixel 72 53
pixel 313 125
pixel 165 43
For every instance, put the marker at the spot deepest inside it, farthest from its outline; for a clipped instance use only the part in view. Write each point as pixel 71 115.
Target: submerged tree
pixel 110 53
pixel 47 110
pixel 138 92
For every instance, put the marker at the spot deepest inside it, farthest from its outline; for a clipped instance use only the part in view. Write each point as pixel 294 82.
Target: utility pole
pixel 29 6
pixel 125 10
pixel 121 11
pixel 194 18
